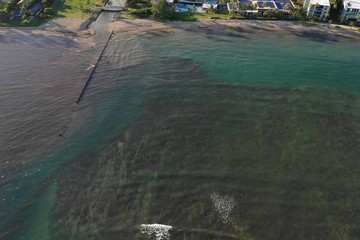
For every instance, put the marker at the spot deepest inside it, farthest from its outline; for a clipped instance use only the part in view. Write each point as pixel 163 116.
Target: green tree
pixel 287 7
pixel 272 13
pixel 130 3
pixel 223 2
pixel 335 9
pixel 161 10
pixel 47 11
pixel 45 2
pixel 249 7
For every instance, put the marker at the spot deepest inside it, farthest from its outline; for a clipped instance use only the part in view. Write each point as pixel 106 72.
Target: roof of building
pixel 320 2
pixel 353 3
pixel 35 8
pixel 245 2
pixel 209 4
pixel 265 5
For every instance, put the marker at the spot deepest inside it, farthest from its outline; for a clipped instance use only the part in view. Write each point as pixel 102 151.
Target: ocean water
pixel 183 134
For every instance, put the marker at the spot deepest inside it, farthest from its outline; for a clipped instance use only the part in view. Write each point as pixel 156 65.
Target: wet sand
pixel 146 25
pixel 72 27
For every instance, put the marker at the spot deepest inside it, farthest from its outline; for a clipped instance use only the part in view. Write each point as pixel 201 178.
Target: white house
pixel 351 10
pixel 207 5
pixel 317 8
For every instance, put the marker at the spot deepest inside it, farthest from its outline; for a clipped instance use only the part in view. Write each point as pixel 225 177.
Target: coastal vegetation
pixel 226 9
pixel 35 12
pixel 77 8
pixel 335 10
pixel 164 11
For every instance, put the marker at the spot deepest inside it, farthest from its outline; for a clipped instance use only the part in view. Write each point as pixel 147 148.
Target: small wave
pixel 161 232
pixel 223 206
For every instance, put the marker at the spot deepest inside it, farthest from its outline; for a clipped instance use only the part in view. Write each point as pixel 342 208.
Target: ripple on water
pixel 172 126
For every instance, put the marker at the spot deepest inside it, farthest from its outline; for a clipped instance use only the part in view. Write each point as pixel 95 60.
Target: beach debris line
pixel 224 206
pixel 161 232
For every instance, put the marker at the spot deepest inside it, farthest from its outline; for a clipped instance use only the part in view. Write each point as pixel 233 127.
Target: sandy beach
pixel 146 25
pixel 71 27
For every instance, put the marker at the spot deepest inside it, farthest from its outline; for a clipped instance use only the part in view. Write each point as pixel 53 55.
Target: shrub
pixel 161 10
pixel 46 2
pixel 47 11
pixel 184 16
pixel 130 3
pixel 42 16
pixel 141 13
pixel 98 4
pixel 4 16
pixel 25 22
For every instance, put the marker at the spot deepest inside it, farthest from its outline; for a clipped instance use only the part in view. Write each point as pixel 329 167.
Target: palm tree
pixel 287 7
pixel 250 6
pixel 263 5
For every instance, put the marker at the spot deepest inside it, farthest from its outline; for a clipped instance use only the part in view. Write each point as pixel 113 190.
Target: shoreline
pixel 72 27
pixel 244 26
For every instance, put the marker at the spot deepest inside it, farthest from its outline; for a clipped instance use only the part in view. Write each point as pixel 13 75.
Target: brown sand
pixel 146 25
pixel 72 27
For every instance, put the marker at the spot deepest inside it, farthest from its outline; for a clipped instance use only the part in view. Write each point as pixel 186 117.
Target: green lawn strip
pixel 221 14
pixel 134 11
pixel 19 23
pixel 76 8
pixel 138 9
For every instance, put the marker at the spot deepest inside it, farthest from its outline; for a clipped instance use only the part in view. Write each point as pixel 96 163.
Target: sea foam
pixel 161 232
pixel 224 205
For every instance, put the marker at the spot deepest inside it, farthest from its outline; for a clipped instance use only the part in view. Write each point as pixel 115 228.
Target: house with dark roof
pixel 35 9
pixel 261 6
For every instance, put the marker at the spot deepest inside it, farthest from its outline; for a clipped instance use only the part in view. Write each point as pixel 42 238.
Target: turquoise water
pixel 221 134
pixel 268 59
pixel 184 8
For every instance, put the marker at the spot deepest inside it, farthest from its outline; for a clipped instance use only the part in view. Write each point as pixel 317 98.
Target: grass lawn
pixel 135 11
pixel 222 14
pixel 126 15
pixel 83 9
pixel 76 8
pixel 178 16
